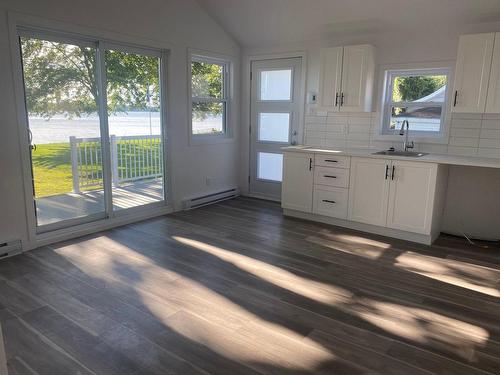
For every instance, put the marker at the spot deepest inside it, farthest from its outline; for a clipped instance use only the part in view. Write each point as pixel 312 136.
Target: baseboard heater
pixel 11 248
pixel 205 200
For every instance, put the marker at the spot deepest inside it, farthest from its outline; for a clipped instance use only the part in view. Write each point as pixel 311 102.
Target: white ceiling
pixel 269 22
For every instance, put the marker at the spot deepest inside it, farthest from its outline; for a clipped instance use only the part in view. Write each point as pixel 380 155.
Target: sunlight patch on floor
pixel 369 253
pixel 451 272
pixel 317 291
pixel 424 326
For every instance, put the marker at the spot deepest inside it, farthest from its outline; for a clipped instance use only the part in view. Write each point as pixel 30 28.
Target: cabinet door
pixel 330 76
pixel 411 196
pixel 297 186
pixel 369 190
pixel 357 78
pixel 493 100
pixel 472 72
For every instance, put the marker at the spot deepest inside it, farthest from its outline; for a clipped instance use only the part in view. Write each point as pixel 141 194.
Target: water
pixel 59 128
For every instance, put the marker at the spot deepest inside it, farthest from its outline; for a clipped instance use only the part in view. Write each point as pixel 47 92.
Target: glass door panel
pixel 62 109
pixel 134 123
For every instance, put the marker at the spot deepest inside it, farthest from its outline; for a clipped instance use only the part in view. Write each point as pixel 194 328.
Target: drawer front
pixel 332 161
pixel 328 201
pixel 336 177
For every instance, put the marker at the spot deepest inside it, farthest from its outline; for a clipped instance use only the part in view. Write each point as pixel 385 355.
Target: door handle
pixel 336 99
pixel 455 99
pixel 310 164
pixel 342 99
pixel 393 172
pixel 328 201
pixel 386 171
pixel 331 161
pixel 327 176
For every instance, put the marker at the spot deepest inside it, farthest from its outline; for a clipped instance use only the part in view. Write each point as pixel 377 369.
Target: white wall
pixel 175 25
pixel 436 45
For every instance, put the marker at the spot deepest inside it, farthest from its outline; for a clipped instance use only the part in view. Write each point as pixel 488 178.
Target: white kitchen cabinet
pixel 411 196
pixel 347 77
pixel 493 99
pixel 330 201
pixel 297 186
pixel 472 73
pixel 369 190
pixel 331 75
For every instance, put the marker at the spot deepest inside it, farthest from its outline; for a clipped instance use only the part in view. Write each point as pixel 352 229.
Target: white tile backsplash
pixel 470 133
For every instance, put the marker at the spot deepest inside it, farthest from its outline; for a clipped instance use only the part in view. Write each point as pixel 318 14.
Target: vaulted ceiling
pixel 270 22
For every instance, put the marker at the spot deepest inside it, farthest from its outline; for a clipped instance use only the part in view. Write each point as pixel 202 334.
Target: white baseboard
pixel 388 232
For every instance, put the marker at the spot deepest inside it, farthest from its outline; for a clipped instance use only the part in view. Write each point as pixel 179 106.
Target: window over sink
pixel 418 96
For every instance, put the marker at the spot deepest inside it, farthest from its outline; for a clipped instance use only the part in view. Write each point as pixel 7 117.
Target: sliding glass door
pixel 134 120
pixel 95 128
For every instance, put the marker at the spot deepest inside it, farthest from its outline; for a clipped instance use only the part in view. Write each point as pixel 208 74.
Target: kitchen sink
pixel 410 154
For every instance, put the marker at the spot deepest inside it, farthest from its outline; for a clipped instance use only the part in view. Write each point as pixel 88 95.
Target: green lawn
pixel 52 167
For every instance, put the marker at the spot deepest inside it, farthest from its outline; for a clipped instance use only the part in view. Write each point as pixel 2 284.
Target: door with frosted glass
pixel 275 107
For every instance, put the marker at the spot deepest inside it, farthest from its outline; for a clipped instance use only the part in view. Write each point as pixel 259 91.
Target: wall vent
pixel 205 200
pixel 11 248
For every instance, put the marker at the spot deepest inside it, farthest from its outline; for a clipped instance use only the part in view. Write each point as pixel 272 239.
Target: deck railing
pixel 132 158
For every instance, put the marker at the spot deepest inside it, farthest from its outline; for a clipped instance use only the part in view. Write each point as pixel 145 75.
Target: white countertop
pixel 472 161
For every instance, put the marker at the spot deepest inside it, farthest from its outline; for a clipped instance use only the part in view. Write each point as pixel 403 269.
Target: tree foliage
pixel 61 79
pixel 416 87
pixel 206 83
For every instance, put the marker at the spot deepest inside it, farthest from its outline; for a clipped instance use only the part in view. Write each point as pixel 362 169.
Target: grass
pixel 52 167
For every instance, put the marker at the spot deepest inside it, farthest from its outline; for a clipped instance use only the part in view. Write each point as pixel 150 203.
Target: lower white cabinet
pixel 297 186
pixel 397 198
pixel 411 196
pixel 395 194
pixel 369 190
pixel 330 201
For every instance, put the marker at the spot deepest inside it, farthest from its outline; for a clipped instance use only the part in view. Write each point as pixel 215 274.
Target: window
pixel 418 96
pixel 209 96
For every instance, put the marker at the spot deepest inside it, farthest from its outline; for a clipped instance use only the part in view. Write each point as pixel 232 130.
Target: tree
pixel 416 87
pixel 61 78
pixel 206 82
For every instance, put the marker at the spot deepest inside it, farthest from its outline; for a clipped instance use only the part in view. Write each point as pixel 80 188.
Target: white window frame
pixel 227 65
pixel 441 67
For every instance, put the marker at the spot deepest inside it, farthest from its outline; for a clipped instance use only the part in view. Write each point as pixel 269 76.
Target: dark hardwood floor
pixel 236 288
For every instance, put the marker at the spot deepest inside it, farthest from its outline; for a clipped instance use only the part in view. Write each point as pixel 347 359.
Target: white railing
pixel 132 158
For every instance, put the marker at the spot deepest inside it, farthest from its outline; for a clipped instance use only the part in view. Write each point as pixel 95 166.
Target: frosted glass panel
pixel 274 127
pixel 275 84
pixel 270 166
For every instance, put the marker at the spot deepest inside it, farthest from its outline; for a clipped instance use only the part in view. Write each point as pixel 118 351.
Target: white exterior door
pixel 369 190
pixel 357 68
pixel 472 72
pixel 297 181
pixel 411 196
pixel 330 76
pixel 275 109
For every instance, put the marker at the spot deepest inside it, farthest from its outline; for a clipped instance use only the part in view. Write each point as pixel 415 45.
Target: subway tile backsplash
pixel 470 134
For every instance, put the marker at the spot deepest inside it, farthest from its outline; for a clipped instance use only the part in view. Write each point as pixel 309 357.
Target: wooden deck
pixel 72 205
pixel 236 288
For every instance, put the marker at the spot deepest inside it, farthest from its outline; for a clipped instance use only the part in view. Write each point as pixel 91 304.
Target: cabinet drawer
pixel 330 201
pixel 337 177
pixel 332 161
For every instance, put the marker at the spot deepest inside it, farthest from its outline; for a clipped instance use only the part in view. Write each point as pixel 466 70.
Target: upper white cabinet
pixel 297 186
pixel 472 72
pixel 493 100
pixel 330 76
pixel 347 77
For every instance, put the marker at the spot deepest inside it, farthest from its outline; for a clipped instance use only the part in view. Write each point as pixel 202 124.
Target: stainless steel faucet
pixel 406 145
